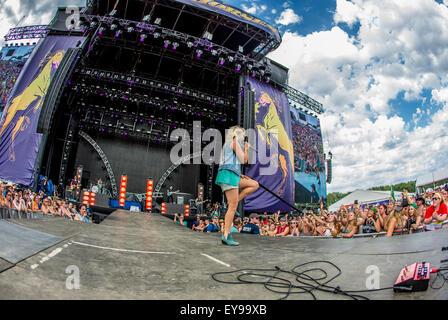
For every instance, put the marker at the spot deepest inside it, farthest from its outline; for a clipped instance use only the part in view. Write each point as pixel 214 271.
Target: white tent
pixel 364 197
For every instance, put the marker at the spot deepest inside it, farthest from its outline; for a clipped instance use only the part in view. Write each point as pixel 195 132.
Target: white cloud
pixel 357 75
pixel 288 17
pixel 36 12
pixel 254 8
pixel 273 11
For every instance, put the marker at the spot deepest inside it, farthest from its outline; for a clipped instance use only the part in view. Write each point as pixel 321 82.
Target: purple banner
pixel 234 13
pixel 19 142
pixel 273 125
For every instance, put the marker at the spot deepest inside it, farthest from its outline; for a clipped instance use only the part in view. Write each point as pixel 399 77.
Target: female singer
pixel 230 179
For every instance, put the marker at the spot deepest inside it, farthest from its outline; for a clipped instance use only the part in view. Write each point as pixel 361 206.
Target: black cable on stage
pixel 306 283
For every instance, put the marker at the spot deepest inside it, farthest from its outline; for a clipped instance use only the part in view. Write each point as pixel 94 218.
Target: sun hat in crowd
pixel 414 205
pixel 373 209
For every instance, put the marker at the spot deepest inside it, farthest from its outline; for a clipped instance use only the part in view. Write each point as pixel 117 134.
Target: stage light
pixel 156 35
pixel 238 67
pixel 143 37
pixel 221 61
pixel 214 52
pixel 149 194
pixel 122 198
pixel 190 44
pixel 158 21
pixel 118 34
pixel 113 12
pixel 175 45
pixel 131 29
pixel 113 27
pixel 207 35
pixel 240 49
pixel 199 53
pixel 231 59
pixel 249 66
pixel 163 208
pixel 146 18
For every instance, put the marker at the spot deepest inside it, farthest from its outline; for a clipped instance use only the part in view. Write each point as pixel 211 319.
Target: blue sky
pixel 380 68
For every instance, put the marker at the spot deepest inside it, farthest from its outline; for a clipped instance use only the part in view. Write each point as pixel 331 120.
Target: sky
pixel 379 67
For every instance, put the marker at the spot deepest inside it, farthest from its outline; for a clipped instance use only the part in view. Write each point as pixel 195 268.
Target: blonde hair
pixel 231 133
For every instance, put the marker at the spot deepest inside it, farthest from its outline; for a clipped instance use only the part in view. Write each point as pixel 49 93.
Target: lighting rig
pixel 172 40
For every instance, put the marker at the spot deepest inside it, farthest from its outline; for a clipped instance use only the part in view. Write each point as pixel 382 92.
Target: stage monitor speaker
pixel 172 208
pixel 102 200
pixel 180 200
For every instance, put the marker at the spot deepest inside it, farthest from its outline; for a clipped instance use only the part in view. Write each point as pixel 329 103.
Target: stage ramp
pixel 147 256
pixel 19 243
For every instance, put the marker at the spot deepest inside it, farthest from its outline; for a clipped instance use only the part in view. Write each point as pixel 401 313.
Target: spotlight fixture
pixel 167 43
pixel 156 35
pixel 207 35
pixel 199 53
pixel 143 37
pixel 249 66
pixel 113 27
pixel 101 30
pixel 190 44
pixel 231 59
pixel 221 61
pixel 158 21
pixel 175 45
pixel 131 29
pixel 238 67
pixel 214 52
pixel 118 34
pixel 146 18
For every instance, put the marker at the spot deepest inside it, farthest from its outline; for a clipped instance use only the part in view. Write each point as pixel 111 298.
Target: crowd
pixel 15 198
pixel 427 211
pixel 9 71
pixel 308 149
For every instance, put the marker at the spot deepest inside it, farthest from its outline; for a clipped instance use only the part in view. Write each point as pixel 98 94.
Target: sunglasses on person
pixel 435 198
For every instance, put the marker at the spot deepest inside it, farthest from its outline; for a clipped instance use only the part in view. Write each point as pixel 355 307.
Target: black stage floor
pixel 140 256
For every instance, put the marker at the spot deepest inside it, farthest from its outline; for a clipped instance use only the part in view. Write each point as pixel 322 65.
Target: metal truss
pixel 104 159
pixel 154 84
pixel 170 170
pixel 29 32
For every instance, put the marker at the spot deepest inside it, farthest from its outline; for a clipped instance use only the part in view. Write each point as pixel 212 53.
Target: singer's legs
pixel 247 186
pixel 232 205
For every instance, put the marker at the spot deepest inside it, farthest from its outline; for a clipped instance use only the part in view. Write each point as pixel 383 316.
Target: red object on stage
pixel 187 210
pixel 123 186
pixel 88 198
pixel 163 208
pixel 413 278
pixel 149 194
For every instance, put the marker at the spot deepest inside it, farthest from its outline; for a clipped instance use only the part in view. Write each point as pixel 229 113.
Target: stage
pixel 146 256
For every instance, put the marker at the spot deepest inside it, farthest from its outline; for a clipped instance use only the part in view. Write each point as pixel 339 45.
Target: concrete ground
pixel 147 256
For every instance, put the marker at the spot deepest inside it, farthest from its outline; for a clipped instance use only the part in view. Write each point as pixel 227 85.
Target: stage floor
pixel 140 256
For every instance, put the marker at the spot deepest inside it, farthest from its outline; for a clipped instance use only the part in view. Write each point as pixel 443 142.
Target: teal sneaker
pixel 229 241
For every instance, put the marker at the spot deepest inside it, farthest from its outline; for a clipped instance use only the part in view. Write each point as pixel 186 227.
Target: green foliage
pixel 335 197
pixel 410 186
